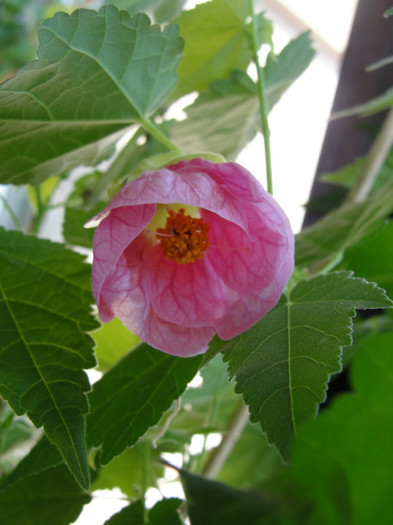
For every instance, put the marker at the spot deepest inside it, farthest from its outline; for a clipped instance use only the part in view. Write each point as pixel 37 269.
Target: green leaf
pixel 162 10
pixel 44 312
pixel 133 395
pixel 74 220
pixel 283 69
pixel 131 515
pixel 113 341
pixel 41 457
pixel 213 503
pixel 283 364
pixel 225 118
pixel 97 73
pixel 216 38
pixel 377 104
pixel 165 512
pixel 50 497
pixel 348 175
pixel 136 467
pixel 373 258
pixel 342 462
pixel 251 462
pixel 343 227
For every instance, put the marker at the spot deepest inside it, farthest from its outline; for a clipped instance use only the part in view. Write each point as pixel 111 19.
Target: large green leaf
pixel 96 74
pixel 343 461
pixel 217 41
pixel 225 118
pixel 131 515
pixel 44 312
pixel 282 364
pixel 344 227
pixel 133 395
pixel 51 497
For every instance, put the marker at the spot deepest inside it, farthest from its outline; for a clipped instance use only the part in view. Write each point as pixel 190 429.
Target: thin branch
pixel 221 453
pixel 262 99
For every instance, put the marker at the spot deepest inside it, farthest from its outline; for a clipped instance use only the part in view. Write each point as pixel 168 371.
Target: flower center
pixel 184 238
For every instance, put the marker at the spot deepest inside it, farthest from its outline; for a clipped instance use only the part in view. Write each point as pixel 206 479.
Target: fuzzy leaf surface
pixel 45 311
pixel 283 364
pixel 133 395
pixel 96 73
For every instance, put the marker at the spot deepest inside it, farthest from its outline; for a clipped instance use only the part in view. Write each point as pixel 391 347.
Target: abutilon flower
pixel 188 251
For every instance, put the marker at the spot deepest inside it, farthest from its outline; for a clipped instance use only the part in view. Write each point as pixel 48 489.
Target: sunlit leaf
pixel 283 364
pixel 217 41
pixel 44 312
pixel 226 117
pixel 97 73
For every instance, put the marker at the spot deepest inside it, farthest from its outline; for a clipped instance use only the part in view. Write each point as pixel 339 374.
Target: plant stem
pixel 374 161
pixel 11 213
pixel 156 133
pixel 262 99
pixel 221 453
pixel 41 210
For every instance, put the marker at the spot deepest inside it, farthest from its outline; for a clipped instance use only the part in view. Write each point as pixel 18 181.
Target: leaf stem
pixel 156 133
pixel 221 453
pixel 262 99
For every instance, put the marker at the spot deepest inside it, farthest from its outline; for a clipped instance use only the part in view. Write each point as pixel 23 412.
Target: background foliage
pixel 112 74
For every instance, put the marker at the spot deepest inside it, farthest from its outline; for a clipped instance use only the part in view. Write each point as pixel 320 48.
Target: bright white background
pixel 298 124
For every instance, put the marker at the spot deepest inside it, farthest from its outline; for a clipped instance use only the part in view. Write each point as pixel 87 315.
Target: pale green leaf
pixel 96 74
pixel 217 41
pixel 283 364
pixel 282 70
pixel 133 395
pixel 113 341
pixel 344 227
pixel 348 175
pixel 44 312
pixel 377 104
pixel 136 467
pixel 225 118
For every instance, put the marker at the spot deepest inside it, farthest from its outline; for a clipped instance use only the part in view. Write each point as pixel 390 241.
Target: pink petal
pixel 178 308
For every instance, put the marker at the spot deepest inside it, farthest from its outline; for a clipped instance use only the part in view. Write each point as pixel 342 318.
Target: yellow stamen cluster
pixel 184 238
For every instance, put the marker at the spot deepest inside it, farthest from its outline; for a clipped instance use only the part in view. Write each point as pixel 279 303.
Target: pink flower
pixel 188 251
